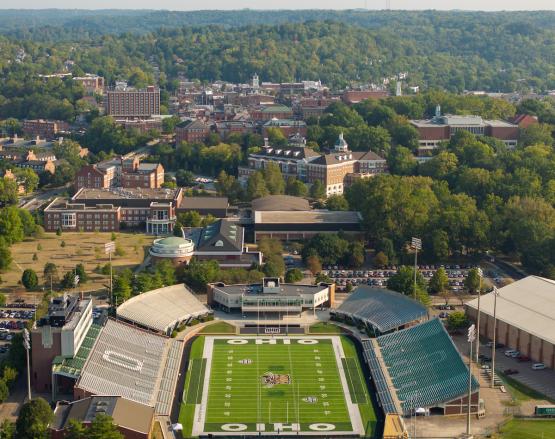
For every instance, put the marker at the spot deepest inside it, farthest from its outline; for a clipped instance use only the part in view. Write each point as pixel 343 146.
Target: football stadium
pixel 238 386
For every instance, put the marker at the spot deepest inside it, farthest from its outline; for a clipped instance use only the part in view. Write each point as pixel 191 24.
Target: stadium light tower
pixel 471 338
pixel 27 346
pixel 416 244
pixel 495 294
pixel 481 274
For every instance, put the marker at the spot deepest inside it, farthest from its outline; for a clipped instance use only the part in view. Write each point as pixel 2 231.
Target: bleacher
pixel 72 366
pixel 381 309
pixel 384 393
pixel 423 364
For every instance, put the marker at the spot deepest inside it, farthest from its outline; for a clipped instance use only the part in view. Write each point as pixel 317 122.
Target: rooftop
pixel 528 304
pixel 162 308
pixel 383 309
pixel 192 203
pixel 220 236
pixel 131 415
pixel 126 361
pixel 307 217
pixel 419 366
pixel 280 203
pixel 126 193
pixel 258 289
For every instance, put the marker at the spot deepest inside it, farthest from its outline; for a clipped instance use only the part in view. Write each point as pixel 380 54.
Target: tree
pixel 295 187
pixel 80 271
pixel 11 227
pixel 2 300
pixel 472 281
pixel 68 280
pixel 4 391
pixel 337 202
pixel 317 190
pixel 50 271
pixel 274 179
pixel 29 178
pixel 256 186
pixel 536 134
pixel 75 430
pixel 314 264
pixel 380 260
pixel 403 281
pixel 29 279
pixel 7 429
pixel 102 427
pixel 439 281
pixel 5 256
pixel 357 254
pixel 274 266
pixel 33 420
pixel 8 192
pixel 198 274
pixel 293 275
pixel 457 320
pixel 122 288
pixel 330 248
pixel 401 161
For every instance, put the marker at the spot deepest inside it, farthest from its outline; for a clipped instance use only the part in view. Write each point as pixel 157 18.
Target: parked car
pixel 510 371
pixel 515 354
pixel 510 352
pixel 522 358
pixel 538 366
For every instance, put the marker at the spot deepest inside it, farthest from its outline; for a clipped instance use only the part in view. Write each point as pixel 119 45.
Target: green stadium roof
pixel 72 366
pixel 423 366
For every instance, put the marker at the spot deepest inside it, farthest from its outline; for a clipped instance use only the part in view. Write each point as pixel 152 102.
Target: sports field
pixel 283 385
pixel 528 429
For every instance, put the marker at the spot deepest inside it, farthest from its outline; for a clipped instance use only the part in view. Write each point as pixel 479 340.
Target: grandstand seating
pixel 383 310
pixel 424 366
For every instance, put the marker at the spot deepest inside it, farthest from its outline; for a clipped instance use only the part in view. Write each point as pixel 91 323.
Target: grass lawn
pixel 187 410
pixel 85 248
pixel 283 383
pixel 218 328
pixel 528 429
pixel 365 404
pixel 325 328
pixel 519 391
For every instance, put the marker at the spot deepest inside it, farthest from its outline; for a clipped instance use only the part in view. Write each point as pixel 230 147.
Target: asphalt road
pixel 35 201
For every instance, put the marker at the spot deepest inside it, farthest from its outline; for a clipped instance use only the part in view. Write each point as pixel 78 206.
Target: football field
pixel 269 385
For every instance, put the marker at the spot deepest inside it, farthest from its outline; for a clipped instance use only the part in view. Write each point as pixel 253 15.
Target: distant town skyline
pixel 179 5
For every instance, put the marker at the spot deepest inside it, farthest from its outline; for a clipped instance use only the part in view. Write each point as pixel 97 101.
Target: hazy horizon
pixel 177 5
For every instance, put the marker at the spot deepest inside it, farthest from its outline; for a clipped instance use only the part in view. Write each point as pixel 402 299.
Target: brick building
pixel 195 131
pixel 288 127
pixel 336 170
pixel 355 96
pixel 68 216
pixel 271 112
pixel 132 103
pixel 46 129
pixel 93 84
pixel 442 127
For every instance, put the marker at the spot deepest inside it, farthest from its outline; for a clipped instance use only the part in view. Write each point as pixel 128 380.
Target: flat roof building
pixel 270 296
pixel 215 206
pixel 133 420
pixel 525 314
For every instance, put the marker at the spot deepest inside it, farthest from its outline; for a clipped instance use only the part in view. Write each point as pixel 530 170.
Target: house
pixel 195 131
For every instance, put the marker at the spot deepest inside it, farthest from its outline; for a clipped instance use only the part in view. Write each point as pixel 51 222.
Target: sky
pixel 188 5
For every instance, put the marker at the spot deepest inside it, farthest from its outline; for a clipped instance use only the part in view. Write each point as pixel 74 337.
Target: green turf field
pixel 528 429
pixel 287 386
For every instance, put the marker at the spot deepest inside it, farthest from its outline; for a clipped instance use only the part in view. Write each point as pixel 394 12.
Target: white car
pixel 509 353
pixel 538 366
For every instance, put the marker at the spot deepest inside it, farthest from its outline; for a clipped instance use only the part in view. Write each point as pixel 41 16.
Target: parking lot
pixel 13 318
pixel 379 277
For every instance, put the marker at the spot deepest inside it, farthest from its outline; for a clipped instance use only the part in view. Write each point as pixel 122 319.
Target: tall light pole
pixel 109 248
pixel 495 294
pixel 416 244
pixel 471 338
pixel 27 346
pixel 481 274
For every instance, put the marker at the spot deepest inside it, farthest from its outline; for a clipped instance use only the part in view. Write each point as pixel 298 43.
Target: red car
pixel 522 358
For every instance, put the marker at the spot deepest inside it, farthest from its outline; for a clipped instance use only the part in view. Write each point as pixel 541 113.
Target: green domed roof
pixel 172 241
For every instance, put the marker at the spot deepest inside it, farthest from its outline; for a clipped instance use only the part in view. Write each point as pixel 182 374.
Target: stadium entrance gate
pixel 277 329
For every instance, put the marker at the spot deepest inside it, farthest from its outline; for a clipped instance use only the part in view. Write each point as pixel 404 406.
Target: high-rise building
pixel 133 103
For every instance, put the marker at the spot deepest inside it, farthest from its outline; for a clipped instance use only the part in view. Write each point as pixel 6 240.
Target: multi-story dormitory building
pixel 120 172
pixel 106 210
pixel 336 170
